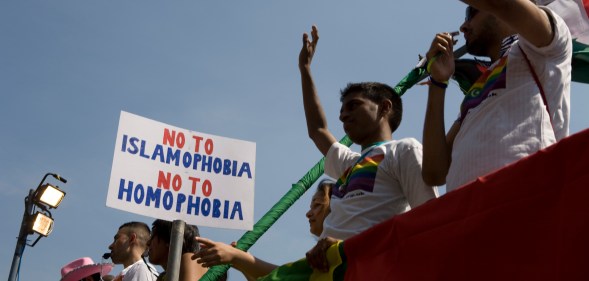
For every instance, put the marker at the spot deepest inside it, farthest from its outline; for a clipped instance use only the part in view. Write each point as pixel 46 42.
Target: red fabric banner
pixel 528 221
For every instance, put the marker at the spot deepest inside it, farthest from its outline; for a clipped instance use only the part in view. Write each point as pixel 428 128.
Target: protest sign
pixel 172 173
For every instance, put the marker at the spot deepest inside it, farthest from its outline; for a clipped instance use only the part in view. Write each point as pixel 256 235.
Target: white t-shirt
pixel 138 271
pixel 386 182
pixel 513 122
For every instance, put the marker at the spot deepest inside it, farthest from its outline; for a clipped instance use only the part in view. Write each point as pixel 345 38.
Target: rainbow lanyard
pixel 344 185
pixel 495 77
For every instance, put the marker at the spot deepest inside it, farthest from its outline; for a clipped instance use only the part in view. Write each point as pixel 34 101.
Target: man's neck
pixel 374 142
pixel 131 261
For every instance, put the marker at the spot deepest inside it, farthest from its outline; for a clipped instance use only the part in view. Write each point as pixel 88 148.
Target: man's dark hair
pixel 163 230
pixel 140 229
pixel 135 224
pixel 325 186
pixel 377 92
pixel 95 276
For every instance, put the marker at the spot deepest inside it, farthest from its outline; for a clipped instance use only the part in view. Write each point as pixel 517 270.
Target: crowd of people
pixel 517 107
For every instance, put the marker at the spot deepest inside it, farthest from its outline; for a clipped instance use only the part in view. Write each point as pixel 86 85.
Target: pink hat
pixel 82 268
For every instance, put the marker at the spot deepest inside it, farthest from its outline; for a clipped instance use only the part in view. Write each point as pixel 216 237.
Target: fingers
pixel 215 253
pixel 204 241
pixel 208 261
pixel 314 38
pixel 317 258
pixel 204 244
pixel 208 257
pixel 314 259
pixel 443 43
pixel 314 35
pixel 308 49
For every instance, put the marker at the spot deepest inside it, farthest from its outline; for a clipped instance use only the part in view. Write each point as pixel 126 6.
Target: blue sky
pixel 227 68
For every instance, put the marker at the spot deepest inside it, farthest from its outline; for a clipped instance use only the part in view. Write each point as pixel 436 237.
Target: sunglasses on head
pixel 470 13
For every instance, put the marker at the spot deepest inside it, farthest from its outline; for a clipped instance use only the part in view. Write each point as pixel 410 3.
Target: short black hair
pixel 325 186
pixel 95 276
pixel 163 230
pixel 135 224
pixel 140 229
pixel 377 92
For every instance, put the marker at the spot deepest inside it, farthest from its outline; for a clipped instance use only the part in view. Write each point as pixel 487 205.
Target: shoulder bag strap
pixel 542 94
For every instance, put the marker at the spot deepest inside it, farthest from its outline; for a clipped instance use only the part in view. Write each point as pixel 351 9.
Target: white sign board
pixel 172 173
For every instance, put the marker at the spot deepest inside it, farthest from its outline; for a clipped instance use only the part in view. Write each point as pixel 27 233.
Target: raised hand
pixel 308 49
pixel 441 57
pixel 213 253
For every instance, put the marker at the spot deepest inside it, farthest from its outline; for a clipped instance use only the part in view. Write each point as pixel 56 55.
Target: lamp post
pixel 45 196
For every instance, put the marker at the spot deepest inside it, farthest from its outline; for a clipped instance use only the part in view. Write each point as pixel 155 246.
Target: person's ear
pixel 132 237
pixel 386 107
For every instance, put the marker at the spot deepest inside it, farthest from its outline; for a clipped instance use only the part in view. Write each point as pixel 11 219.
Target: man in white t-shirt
pixel 128 248
pixel 517 107
pixel 376 184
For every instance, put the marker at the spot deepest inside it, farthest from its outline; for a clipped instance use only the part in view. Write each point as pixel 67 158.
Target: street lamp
pixel 45 197
pixel 42 224
pixel 49 195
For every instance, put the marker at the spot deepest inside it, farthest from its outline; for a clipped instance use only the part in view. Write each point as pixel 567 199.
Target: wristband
pixel 442 85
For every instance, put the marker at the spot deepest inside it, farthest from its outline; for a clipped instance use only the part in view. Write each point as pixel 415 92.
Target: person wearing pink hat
pixel 84 269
